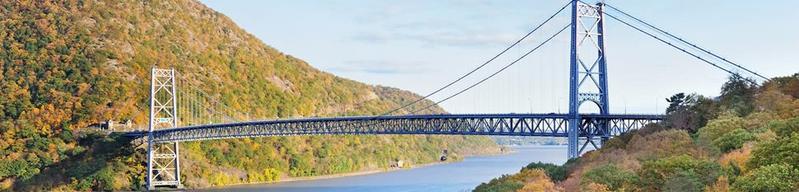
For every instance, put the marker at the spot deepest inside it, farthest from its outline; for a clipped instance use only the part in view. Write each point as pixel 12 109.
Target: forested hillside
pixel 70 64
pixel 746 139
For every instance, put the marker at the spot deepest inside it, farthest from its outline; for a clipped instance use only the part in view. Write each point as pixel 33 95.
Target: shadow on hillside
pixel 93 168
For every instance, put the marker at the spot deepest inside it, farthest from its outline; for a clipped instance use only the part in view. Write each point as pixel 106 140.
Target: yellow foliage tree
pixel 737 158
pixel 660 144
pixel 722 185
pixel 535 180
pixel 596 187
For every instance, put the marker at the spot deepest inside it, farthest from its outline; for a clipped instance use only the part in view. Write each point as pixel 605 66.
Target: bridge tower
pixel 587 74
pixel 163 162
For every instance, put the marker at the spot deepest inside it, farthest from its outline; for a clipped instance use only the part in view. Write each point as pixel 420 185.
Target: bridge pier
pixel 163 159
pixel 163 165
pixel 587 81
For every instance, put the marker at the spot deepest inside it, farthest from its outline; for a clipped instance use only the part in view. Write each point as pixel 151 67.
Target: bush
pixel 718 127
pixel 499 184
pixel 17 168
pixel 618 142
pixel 555 172
pixel 782 150
pixel 721 185
pixel 656 174
pixel 661 144
pixel 611 176
pixel 267 175
pixel 785 128
pixel 526 180
pixel 534 180
pixel 499 187
pixel 774 177
pixel 733 140
pixel 735 161
pixel 685 181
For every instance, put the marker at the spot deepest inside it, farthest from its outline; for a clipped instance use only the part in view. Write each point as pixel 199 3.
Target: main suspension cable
pixel 679 48
pixel 497 72
pixel 686 42
pixel 480 66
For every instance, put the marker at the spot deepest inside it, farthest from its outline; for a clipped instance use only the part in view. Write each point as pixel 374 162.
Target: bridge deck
pixel 551 125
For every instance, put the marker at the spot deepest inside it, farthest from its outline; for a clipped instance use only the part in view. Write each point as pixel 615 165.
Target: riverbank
pixel 333 176
pixel 461 175
pixel 503 150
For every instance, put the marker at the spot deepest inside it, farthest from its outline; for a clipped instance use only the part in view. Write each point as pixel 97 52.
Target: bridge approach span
pixel 545 125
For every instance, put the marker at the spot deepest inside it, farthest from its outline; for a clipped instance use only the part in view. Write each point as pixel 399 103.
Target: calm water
pixel 459 176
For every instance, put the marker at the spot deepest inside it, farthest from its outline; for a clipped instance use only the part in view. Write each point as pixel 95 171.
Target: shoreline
pixel 334 176
pixel 358 173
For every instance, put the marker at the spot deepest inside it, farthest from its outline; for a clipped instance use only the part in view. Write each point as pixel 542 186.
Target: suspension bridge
pixel 588 83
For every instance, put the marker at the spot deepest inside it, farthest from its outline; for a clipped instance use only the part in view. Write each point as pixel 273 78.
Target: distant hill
pixel 69 64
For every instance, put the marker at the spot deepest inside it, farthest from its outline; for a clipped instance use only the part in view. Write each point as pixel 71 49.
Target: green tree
pixel 738 94
pixel 733 140
pixel 785 128
pixel 788 85
pixel 718 127
pixel 656 173
pixel 614 177
pixel 782 150
pixel 689 112
pixel 676 102
pixel 495 185
pixel 555 172
pixel 774 177
pixel 684 181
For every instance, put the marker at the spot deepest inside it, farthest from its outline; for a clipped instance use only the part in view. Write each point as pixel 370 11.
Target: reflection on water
pixel 459 176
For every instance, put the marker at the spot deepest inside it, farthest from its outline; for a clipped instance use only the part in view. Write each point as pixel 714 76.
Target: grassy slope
pixel 67 65
pixel 744 140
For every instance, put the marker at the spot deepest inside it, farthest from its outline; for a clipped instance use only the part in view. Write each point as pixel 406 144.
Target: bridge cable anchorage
pixel 689 43
pixel 681 49
pixel 480 66
pixel 497 72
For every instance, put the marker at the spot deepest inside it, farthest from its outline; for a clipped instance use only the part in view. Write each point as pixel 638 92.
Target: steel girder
pixel 545 125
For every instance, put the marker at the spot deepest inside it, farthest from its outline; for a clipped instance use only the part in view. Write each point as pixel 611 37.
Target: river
pixel 457 176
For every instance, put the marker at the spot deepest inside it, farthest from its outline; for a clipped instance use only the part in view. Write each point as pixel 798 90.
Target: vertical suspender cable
pixel 500 70
pixel 480 66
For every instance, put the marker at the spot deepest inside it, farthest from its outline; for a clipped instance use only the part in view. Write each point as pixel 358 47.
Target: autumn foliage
pixel 68 65
pixel 747 139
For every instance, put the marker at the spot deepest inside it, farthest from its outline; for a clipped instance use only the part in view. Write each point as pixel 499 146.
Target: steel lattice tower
pixel 163 163
pixel 588 73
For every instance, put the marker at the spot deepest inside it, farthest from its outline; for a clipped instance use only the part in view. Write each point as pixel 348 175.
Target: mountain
pixel 67 65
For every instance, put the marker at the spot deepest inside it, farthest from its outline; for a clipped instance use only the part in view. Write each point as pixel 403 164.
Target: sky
pixel 421 45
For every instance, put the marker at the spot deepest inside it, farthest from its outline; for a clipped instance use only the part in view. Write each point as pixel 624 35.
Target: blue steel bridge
pixel 543 125
pixel 171 123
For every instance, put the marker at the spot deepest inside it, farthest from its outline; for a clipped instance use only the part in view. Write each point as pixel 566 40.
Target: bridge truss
pixel 544 125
